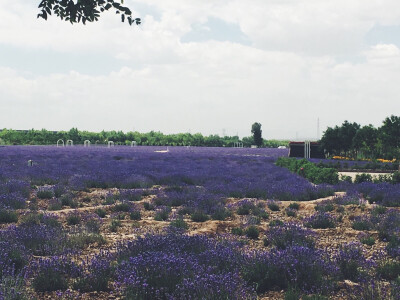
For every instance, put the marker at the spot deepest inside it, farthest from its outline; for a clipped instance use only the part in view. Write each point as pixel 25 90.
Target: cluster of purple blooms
pixel 172 265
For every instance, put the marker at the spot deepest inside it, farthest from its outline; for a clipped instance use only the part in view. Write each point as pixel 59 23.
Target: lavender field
pixel 189 223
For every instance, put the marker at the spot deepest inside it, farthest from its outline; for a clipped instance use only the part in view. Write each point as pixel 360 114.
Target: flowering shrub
pixel 362 223
pixel 290 234
pixel 95 274
pixel 54 273
pixel 325 206
pixel 309 270
pixel 320 220
pixel 352 262
pixel 45 193
pixel 13 200
pixel 173 265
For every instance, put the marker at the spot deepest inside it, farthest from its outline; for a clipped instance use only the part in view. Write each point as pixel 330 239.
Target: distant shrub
pixel 185 210
pixel 387 225
pixel 351 261
pixel 82 239
pixel 237 231
pixel 378 210
pixel 162 214
pixel 221 214
pixel 276 222
pixel 362 223
pixel 8 216
pixel 179 223
pixel 53 274
pixel 97 274
pixel 68 200
pixel 199 216
pixel 396 177
pixel 321 221
pixel 123 206
pixel 294 205
pixel 135 215
pixel 101 212
pixel 273 205
pixel 290 234
pixel 307 269
pixel 363 177
pixel 131 195
pixel 148 206
pixel 244 207
pixel 54 204
pixel 388 269
pixel 252 232
pixel 45 193
pixel 13 200
pixel 115 224
pixel 290 212
pixel 309 170
pixel 346 178
pixel 325 206
pixel 367 240
pixel 73 219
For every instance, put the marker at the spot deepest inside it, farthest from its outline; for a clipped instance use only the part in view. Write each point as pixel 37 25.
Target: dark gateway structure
pixel 296 149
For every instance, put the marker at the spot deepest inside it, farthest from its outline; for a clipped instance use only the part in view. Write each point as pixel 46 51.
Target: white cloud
pixel 288 77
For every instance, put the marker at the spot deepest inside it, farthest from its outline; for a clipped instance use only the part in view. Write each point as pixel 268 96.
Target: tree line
pixel 356 141
pixel 152 138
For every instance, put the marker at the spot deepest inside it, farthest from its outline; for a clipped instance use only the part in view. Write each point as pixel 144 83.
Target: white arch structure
pixel 238 145
pixel 59 142
pixel 70 143
pixel 133 144
pixel 110 144
pixel 86 143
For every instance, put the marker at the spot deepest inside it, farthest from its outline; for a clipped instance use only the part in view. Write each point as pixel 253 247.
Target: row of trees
pixel 152 138
pixel 350 139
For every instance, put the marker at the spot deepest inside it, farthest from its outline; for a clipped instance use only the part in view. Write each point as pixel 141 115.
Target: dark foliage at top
pixel 84 10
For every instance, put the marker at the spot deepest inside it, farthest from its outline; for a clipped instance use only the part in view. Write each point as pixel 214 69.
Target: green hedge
pixel 309 170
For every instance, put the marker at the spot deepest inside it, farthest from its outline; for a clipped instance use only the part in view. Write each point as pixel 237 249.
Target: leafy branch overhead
pixel 76 11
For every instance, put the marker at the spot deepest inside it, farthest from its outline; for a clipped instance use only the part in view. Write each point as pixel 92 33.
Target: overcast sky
pixel 209 66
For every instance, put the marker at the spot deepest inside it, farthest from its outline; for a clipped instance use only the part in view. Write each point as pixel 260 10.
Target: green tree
pixel 389 134
pixel 76 11
pixel 346 134
pixel 365 141
pixel 257 134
